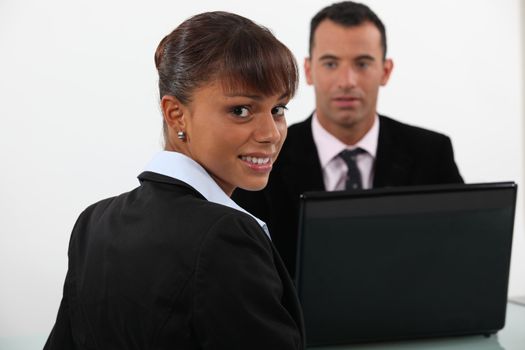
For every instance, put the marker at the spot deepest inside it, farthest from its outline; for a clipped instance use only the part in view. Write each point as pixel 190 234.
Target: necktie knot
pixel 353 178
pixel 350 155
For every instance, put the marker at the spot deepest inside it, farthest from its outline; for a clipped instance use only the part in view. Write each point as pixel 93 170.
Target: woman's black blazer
pixel 160 267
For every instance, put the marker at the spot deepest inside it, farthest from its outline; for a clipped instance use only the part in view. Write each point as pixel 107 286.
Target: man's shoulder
pixel 300 129
pixel 301 132
pixel 397 130
pixel 299 138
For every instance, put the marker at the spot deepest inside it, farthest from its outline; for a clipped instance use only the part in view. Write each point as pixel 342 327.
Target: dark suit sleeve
pixel 66 333
pixel 448 170
pixel 239 300
pixel 61 336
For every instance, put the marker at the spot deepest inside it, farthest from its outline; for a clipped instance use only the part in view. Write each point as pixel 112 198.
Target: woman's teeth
pixel 255 160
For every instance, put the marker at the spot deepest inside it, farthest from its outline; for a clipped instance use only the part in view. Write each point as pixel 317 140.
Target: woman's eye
pixel 278 111
pixel 241 111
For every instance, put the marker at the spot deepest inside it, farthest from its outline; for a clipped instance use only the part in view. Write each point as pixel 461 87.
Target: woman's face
pixel 235 136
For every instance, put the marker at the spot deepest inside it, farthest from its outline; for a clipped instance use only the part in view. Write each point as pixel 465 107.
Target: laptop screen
pixel 404 262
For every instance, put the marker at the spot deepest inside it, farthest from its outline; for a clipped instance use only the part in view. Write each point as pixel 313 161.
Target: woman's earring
pixel 181 135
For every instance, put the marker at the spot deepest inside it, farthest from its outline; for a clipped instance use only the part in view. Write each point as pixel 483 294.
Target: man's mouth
pixel 346 101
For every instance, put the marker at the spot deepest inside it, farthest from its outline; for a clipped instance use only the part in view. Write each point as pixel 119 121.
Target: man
pixel 346 67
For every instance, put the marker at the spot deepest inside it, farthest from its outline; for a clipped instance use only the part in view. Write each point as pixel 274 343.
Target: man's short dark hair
pixel 348 14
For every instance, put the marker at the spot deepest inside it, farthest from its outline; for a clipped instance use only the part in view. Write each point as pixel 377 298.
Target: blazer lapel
pixel 302 170
pixel 393 162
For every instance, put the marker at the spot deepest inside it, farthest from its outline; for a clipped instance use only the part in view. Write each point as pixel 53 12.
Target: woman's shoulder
pixel 177 216
pixel 229 218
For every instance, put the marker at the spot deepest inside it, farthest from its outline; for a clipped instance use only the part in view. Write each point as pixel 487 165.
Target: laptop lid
pixel 404 262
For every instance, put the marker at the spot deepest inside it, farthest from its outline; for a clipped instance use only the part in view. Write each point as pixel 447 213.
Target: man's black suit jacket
pixel 162 268
pixel 406 156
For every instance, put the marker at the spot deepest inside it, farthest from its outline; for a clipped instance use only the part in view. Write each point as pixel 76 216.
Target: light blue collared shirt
pixel 185 169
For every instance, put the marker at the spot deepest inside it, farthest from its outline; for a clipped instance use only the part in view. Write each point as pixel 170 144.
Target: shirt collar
pixel 328 146
pixel 179 166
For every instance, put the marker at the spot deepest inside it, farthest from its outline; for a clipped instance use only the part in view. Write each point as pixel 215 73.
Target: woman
pixel 175 263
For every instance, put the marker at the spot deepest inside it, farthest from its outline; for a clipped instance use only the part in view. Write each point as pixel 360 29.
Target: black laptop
pixel 407 262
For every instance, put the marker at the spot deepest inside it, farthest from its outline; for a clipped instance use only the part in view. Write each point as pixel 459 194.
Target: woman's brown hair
pixel 241 54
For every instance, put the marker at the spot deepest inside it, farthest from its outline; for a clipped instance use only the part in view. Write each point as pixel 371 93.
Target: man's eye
pixel 240 111
pixel 363 64
pixel 330 64
pixel 278 111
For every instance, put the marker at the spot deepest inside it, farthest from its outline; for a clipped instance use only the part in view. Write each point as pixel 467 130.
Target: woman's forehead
pixel 240 86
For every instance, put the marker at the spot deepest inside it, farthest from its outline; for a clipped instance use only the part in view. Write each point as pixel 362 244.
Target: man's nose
pixel 347 78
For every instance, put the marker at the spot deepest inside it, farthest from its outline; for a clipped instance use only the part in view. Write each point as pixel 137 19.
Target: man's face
pixel 347 68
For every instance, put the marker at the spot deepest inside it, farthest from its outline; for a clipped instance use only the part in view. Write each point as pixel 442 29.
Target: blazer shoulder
pixel 172 204
pixel 299 138
pixel 409 133
pixel 231 216
pixel 229 222
pixel 301 130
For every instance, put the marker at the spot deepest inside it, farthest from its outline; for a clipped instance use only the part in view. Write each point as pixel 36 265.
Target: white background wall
pixel 79 114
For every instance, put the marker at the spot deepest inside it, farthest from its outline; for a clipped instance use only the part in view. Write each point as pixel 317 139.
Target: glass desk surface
pixel 511 337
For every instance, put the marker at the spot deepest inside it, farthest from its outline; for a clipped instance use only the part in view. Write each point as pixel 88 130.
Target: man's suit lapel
pixel 303 170
pixel 393 162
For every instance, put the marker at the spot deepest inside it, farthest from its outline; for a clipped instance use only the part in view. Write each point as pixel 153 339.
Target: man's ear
pixel 308 70
pixel 388 66
pixel 172 111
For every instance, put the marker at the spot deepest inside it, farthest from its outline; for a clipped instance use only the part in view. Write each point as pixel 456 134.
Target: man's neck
pixel 349 134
